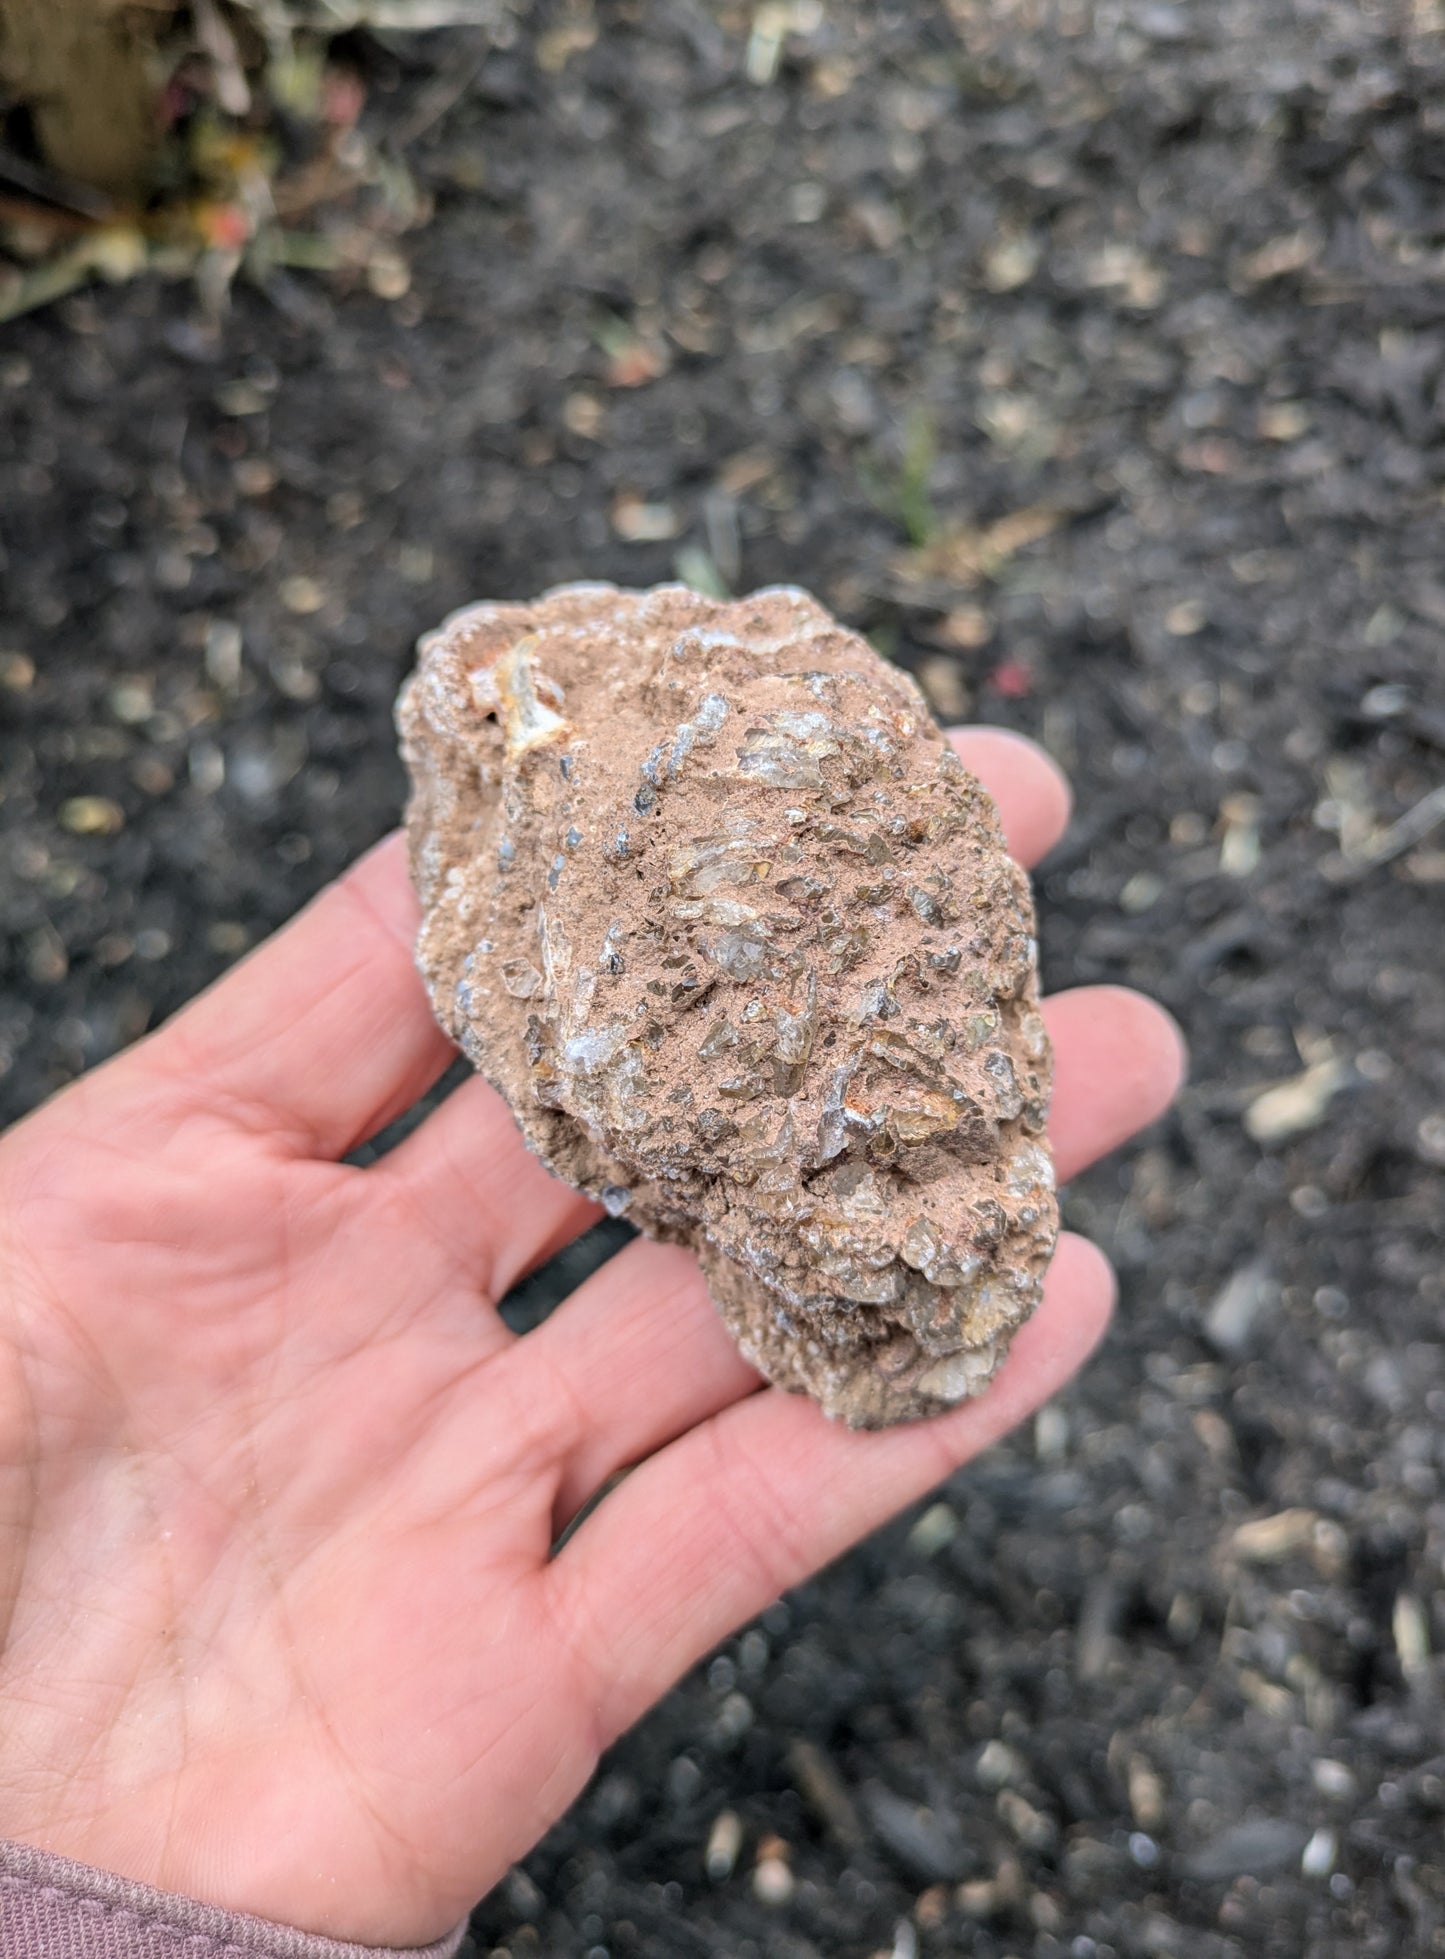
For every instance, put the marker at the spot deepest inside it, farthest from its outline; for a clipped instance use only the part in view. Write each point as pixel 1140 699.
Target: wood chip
pixel 820 1784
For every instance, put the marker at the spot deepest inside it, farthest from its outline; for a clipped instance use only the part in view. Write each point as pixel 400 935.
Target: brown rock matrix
pixel 711 901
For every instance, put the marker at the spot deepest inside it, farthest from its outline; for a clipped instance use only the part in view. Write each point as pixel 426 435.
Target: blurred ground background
pixel 1090 356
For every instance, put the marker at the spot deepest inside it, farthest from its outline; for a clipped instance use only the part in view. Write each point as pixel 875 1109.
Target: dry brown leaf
pixel 967 557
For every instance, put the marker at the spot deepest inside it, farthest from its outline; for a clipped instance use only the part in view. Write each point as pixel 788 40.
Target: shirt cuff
pixel 51 1908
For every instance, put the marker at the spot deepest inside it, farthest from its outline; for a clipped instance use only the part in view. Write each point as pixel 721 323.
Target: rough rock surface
pixel 711 901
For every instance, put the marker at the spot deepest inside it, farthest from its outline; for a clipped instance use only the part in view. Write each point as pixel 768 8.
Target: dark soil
pixel 1160 1677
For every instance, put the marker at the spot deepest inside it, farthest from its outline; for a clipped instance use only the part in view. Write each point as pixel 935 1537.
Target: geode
pixel 710 900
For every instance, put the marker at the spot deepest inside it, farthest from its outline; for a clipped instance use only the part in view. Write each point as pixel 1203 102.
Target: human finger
pixel 640 1346
pixel 707 1532
pixel 1118 1062
pixel 1030 791
pixel 324 1033
pixel 479 1193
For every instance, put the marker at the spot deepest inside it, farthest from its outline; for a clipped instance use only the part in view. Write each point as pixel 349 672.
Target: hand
pixel 278 1488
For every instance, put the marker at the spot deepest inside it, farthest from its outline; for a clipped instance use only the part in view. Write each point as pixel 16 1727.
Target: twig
pixel 36 181
pixel 438 101
pixel 41 219
pixel 1412 828
pixel 218 44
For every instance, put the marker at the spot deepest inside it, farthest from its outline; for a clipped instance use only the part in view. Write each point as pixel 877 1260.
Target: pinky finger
pixel 711 1529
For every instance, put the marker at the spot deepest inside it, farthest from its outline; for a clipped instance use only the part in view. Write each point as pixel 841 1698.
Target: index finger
pixel 1029 790
pixel 324 1034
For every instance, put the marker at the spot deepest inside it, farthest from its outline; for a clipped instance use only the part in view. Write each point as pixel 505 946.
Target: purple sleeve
pixel 53 1909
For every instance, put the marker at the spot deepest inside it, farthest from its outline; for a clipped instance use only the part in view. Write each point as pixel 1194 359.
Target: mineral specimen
pixel 711 901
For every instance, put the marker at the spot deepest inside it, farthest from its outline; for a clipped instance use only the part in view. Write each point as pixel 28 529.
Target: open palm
pixel 278 1490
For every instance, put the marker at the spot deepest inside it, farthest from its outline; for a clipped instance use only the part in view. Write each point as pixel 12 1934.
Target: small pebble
pixel 725 1840
pixel 1237 1308
pixel 636 522
pixel 773 1882
pixel 91 816
pixel 301 596
pixel 1182 621
pixel 1146 1794
pixel 1141 893
pixel 1318 1856
pixel 1031 1826
pixel 753 1651
pixel 905 1940
pixel 206 766
pixel 1284 421
pixel 937 1527
pixel 387 274
pixel 241 398
pixel 1293 1107
pixel 1332 1778
pixel 1011 262
pixel 1411 1635
pixel 1051 1433
pixel 131 702
pixel 734 1718
pixel 1239 847
pixel 223 653
pixel 228 937
pixel 255 477
pixel 151 775
pixel 46 959
pixel 998 1765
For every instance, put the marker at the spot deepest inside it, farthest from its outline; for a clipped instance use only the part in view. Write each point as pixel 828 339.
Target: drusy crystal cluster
pixel 710 900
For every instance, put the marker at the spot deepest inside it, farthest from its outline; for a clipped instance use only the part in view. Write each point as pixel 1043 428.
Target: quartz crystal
pixel 711 901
